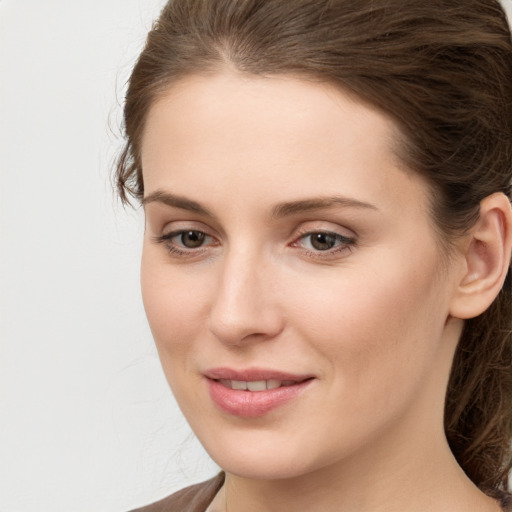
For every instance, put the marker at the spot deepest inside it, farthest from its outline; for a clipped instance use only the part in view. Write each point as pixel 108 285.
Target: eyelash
pixel 345 243
pixel 166 239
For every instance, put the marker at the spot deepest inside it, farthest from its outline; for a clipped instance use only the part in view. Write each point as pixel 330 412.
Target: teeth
pixel 257 385
pixel 239 384
pixel 273 384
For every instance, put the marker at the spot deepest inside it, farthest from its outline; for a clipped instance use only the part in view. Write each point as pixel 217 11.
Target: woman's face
pixel 286 247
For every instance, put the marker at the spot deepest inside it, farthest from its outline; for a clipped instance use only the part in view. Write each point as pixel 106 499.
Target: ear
pixel 486 253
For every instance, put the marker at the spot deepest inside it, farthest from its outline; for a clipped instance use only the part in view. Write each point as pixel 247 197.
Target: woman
pixel 326 262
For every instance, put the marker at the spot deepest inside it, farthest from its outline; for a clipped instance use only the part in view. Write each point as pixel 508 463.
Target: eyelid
pixel 343 242
pixel 176 232
pixel 180 251
pixel 172 234
pixel 347 242
pixel 172 227
pixel 308 228
pixel 182 224
pixel 337 236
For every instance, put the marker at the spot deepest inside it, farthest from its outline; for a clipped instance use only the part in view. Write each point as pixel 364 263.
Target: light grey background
pixel 87 422
pixel 86 419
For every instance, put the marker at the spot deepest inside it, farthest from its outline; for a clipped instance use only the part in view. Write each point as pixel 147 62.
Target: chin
pixel 262 468
pixel 264 456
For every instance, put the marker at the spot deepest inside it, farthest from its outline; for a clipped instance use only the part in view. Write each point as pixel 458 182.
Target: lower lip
pixel 251 404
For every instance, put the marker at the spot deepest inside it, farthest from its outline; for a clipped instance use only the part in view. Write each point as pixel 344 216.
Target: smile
pixel 256 385
pixel 253 392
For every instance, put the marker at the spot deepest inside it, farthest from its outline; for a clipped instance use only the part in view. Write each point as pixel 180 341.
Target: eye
pixel 185 242
pixel 191 239
pixel 324 241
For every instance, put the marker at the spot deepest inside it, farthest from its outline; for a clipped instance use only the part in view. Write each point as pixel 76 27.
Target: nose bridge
pixel 243 305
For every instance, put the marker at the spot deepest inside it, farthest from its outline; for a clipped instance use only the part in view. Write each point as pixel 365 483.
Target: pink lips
pixel 251 404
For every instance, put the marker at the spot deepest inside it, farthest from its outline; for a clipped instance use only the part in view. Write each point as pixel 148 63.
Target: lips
pixel 253 392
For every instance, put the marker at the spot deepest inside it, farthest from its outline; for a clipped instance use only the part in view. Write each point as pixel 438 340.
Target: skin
pixel 370 319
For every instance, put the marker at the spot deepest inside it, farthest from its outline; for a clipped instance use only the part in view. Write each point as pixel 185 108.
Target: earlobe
pixel 486 257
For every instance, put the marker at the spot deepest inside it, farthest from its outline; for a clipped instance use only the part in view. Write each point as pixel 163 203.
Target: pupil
pixel 322 241
pixel 192 239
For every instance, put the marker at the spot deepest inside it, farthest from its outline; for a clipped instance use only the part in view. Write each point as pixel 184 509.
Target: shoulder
pixel 195 498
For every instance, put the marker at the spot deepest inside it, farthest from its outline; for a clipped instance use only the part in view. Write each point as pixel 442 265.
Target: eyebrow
pixel 322 203
pixel 159 196
pixel 280 210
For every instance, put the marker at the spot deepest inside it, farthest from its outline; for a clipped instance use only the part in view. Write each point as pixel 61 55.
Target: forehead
pixel 199 107
pixel 270 136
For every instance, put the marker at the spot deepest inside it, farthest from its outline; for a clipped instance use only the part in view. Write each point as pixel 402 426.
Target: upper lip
pixel 253 374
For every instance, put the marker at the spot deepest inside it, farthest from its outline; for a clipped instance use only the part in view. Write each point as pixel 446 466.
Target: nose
pixel 245 307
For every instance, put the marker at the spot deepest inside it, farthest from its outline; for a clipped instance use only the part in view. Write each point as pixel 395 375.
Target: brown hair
pixel 443 70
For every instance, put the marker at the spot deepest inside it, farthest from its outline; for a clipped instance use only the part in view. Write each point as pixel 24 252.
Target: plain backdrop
pixel 86 419
pixel 87 422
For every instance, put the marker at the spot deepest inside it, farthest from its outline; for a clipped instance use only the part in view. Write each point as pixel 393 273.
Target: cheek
pixel 377 326
pixel 174 303
pixel 175 307
pixel 378 337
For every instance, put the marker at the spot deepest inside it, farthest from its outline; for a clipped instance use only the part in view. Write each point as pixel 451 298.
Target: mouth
pixel 253 392
pixel 256 385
